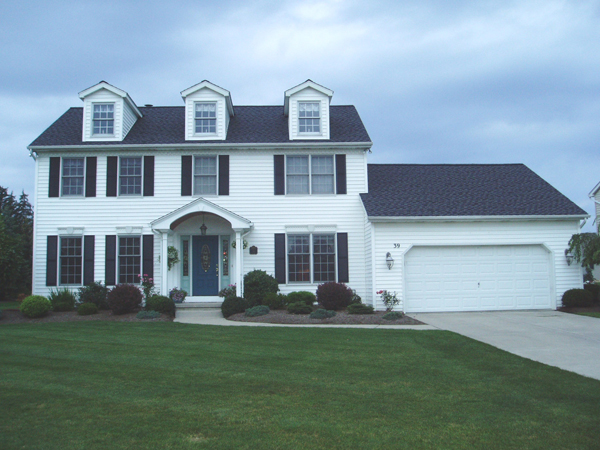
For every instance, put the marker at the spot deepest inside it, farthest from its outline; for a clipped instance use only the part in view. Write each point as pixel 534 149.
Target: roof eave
pixel 595 190
pixel 476 218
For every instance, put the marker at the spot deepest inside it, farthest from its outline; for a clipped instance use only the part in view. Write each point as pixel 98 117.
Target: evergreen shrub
pixel 257 284
pixel 124 298
pixel 147 315
pixel 322 314
pixel 299 308
pixel 360 308
pixel 35 306
pixel 233 305
pixel 86 309
pixel 161 304
pixel 577 298
pixel 302 296
pixel 594 289
pixel 95 293
pixel 393 315
pixel 275 300
pixel 259 310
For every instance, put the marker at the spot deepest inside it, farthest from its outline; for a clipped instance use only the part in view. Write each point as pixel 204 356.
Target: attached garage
pixel 468 237
pixel 477 278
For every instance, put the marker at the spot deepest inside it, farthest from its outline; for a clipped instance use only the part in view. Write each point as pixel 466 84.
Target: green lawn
pixel 103 385
pixel 10 305
pixel 590 314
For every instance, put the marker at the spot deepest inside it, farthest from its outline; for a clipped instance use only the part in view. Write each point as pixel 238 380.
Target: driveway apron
pixel 568 341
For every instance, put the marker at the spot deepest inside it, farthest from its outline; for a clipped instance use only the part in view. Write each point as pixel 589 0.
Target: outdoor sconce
pixel 569 257
pixel 203 228
pixel 389 260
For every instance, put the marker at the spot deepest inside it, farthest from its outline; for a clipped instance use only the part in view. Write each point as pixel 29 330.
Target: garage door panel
pixel 471 278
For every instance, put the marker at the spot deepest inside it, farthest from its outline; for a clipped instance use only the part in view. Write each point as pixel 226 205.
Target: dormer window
pixel 206 118
pixel 104 119
pixel 309 117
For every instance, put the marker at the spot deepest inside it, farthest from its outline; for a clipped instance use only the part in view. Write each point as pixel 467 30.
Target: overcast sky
pixel 434 81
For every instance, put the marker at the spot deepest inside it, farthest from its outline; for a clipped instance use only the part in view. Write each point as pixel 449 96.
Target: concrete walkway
pixel 213 316
pixel 558 339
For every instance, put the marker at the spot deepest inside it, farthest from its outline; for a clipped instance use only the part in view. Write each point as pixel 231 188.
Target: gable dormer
pixel 108 113
pixel 307 109
pixel 208 109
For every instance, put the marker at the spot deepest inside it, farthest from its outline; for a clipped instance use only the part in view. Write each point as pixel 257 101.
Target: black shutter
pixel 51 260
pixel 110 265
pixel 112 166
pixel 54 185
pixel 148 255
pixel 223 174
pixel 88 259
pixel 342 244
pixel 90 176
pixel 279 161
pixel 148 176
pixel 340 174
pixel 280 257
pixel 186 175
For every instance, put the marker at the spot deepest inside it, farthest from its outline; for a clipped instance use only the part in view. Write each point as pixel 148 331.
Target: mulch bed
pixel 341 318
pixel 14 316
pixel 595 308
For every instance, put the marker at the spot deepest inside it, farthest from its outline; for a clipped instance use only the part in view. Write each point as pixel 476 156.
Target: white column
pixel 239 247
pixel 164 289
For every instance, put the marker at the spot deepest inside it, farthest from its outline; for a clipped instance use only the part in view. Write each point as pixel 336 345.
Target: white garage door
pixel 477 278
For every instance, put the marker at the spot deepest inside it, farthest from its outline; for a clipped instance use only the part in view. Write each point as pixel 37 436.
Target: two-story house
pixel 285 189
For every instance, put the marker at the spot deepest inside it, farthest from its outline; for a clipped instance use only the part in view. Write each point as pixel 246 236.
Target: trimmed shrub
pixel 299 308
pixel 577 298
pixel 393 315
pixel 95 293
pixel 334 295
pixel 275 301
pixel 147 315
pixel 124 298
pixel 62 300
pixel 233 305
pixel 161 304
pixel 87 309
pixel 302 296
pixel 594 289
pixel 257 284
pixel 255 311
pixel 35 306
pixel 360 308
pixel 322 314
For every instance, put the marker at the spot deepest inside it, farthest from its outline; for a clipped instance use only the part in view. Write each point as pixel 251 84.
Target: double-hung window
pixel 104 119
pixel 129 259
pixel 205 175
pixel 310 174
pixel 205 117
pixel 73 172
pixel 71 262
pixel 311 258
pixel 130 176
pixel 309 117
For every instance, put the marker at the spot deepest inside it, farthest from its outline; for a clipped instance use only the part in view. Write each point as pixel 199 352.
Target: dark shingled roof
pixel 410 190
pixel 165 125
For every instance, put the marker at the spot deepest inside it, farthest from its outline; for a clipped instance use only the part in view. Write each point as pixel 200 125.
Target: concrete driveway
pixel 563 340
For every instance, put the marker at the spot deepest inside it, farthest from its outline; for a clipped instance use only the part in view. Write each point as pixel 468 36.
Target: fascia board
pixel 382 219
pixel 205 84
pixel 595 190
pixel 102 85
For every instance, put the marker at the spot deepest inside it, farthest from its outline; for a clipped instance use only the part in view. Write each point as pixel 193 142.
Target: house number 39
pixel 396 245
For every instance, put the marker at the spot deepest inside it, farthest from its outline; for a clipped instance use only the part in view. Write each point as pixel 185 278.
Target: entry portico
pixel 208 258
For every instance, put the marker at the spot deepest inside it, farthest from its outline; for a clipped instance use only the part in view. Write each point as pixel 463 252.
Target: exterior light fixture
pixel 569 257
pixel 389 260
pixel 203 227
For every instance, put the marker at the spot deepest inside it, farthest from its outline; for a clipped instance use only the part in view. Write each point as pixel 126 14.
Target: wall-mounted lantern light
pixel 389 260
pixel 203 227
pixel 569 257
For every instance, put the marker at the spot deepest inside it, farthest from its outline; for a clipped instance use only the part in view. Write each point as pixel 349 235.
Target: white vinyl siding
pixel 400 238
pixel 250 195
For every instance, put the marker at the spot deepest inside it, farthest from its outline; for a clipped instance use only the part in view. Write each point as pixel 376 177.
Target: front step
pixel 193 305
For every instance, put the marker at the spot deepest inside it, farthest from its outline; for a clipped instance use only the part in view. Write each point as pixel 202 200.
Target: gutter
pixel 384 219
pixel 212 145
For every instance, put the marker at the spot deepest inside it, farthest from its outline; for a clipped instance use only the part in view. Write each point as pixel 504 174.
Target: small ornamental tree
pixel 334 296
pixel 585 248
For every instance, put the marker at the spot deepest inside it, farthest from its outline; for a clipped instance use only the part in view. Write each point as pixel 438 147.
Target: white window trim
pixel 141 194
pixel 69 236
pixel 310 133
pixel 62 168
pixel 311 257
pixel 310 188
pixel 114 119
pixel 195 133
pixel 194 194
pixel 118 271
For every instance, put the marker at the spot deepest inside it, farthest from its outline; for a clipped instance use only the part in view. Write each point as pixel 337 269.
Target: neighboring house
pixel 595 196
pixel 286 189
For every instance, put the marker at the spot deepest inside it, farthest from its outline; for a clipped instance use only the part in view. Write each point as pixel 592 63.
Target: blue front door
pixel 205 263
